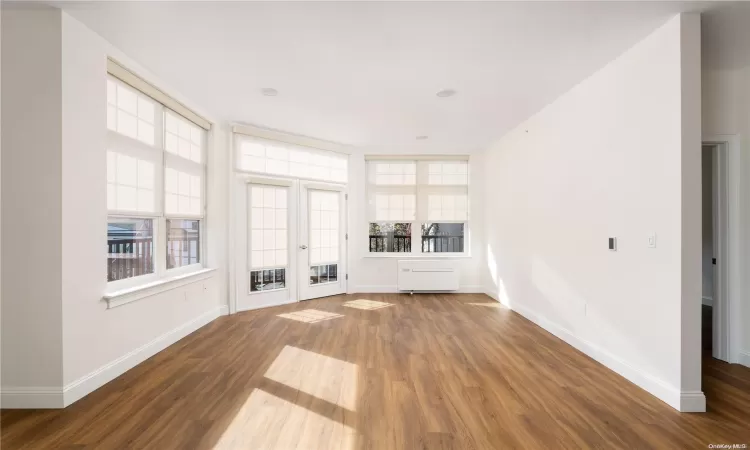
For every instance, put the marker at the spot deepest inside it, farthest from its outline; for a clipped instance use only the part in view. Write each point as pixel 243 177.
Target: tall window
pixel 417 206
pixel 155 185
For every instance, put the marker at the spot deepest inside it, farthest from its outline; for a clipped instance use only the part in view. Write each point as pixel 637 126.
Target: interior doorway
pixel 709 214
pixel 721 249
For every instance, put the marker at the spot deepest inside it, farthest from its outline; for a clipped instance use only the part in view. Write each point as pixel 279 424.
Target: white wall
pixel 31 204
pixel 726 111
pixel 611 157
pixel 379 274
pixel 87 322
pixel 92 344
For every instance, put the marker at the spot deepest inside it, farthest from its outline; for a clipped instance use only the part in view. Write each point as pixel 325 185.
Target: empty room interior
pixel 374 225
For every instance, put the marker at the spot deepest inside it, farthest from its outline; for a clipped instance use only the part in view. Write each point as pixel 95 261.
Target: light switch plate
pixel 652 240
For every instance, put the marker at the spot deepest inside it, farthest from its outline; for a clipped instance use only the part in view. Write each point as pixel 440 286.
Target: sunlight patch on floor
pixel 330 379
pixel 366 304
pixel 489 305
pixel 268 422
pixel 310 315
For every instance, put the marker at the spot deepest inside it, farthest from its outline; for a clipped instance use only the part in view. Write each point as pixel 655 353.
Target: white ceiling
pixel 366 73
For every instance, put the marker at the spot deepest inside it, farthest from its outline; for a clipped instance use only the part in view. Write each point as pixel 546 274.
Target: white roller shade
pixel 120 72
pixel 272 157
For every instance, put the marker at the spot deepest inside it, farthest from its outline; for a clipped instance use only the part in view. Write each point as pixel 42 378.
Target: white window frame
pixel 161 274
pixel 420 205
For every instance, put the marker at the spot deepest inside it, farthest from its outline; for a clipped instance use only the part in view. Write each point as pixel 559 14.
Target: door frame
pixel 343 270
pixel 728 238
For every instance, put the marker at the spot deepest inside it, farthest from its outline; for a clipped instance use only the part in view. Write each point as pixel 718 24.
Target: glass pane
pixel 314 275
pixel 130 248
pixel 256 281
pixel 279 279
pixel 333 273
pixel 324 226
pixel 390 237
pixel 442 237
pixel 183 242
pixel 323 274
pixel 267 280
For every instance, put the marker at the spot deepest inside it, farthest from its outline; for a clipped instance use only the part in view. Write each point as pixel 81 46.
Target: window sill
pixel 422 256
pixel 124 296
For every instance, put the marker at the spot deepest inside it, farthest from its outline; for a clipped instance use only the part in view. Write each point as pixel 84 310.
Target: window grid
pixel 277 158
pixel 130 183
pixel 130 113
pixel 268 227
pixel 447 207
pixel 324 227
pixel 146 179
pixel 420 195
pixel 183 193
pixel 448 173
pixel 395 207
pixel 182 138
pixel 395 173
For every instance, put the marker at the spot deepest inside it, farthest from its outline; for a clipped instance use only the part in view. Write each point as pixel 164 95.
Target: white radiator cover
pixel 427 275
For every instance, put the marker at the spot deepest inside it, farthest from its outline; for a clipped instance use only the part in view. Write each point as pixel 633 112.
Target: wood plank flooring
pixel 424 372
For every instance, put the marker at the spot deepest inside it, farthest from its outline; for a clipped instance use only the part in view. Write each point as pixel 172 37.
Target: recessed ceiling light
pixel 269 92
pixel 446 93
pixel 421 138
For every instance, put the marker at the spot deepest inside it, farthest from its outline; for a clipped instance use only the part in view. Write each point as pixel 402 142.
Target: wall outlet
pixel 652 240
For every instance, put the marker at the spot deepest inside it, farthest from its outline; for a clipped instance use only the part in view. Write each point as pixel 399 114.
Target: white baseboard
pixel 490 293
pixel 682 401
pixel 96 379
pixel 692 402
pixel 56 397
pixel 388 289
pixel 744 358
pixel 32 398
pixel 708 301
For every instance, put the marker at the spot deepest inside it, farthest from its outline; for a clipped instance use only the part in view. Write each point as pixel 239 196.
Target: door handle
pixel 303 247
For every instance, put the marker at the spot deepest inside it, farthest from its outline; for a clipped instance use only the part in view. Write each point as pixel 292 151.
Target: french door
pixel 322 240
pixel 290 242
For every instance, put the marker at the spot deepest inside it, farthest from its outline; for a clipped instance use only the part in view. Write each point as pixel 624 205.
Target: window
pixel 279 158
pixel 269 225
pixel 130 248
pixel 155 185
pixel 183 243
pixel 406 197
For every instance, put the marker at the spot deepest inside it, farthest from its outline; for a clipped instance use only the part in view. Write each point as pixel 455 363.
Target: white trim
pixel 253 179
pixel 489 292
pixel 108 372
pixel 265 305
pixel 393 289
pixel 32 398
pixel 127 76
pixel 707 301
pixel 391 255
pixel 290 138
pixel 743 358
pixel 728 286
pixel 417 158
pixel 124 296
pixel 662 390
pixel 692 401
pixel 56 397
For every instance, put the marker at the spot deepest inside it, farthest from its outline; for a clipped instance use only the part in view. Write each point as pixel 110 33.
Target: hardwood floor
pixel 423 371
